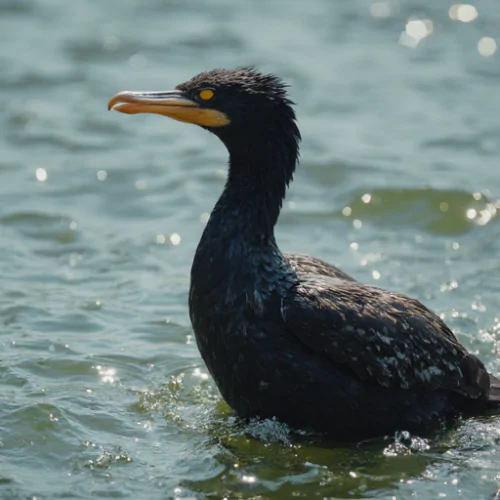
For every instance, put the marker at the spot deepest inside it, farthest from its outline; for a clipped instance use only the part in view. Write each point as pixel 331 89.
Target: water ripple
pixel 104 394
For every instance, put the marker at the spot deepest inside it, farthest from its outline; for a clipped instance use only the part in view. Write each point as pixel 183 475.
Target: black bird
pixel 290 336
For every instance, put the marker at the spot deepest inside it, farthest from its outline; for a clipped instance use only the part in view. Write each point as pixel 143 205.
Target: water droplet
pixel 487 46
pixel 380 9
pixel 415 31
pixel 41 174
pixel 175 239
pixel 102 175
pixel 463 12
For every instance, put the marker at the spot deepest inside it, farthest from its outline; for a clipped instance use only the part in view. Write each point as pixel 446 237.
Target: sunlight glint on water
pixel 104 394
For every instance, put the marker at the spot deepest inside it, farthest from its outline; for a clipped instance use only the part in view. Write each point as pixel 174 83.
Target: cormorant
pixel 290 336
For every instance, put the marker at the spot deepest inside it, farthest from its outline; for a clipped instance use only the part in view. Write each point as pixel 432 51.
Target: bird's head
pixel 239 106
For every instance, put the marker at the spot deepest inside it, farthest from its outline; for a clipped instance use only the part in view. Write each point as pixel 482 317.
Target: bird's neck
pixel 237 251
pixel 256 185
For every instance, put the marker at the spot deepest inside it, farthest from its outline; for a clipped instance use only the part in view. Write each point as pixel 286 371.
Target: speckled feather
pixel 382 336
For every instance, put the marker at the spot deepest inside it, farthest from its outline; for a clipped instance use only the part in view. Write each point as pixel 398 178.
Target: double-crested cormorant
pixel 290 336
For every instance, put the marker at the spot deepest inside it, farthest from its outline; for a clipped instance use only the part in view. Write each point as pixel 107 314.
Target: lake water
pixel 102 391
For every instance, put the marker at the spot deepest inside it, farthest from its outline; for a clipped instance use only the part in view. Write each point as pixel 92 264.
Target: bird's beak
pixel 172 103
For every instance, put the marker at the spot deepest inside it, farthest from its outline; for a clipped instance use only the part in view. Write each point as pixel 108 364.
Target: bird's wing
pixel 305 264
pixel 383 337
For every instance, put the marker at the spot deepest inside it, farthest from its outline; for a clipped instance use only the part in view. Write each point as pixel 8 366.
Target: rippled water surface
pixel 102 391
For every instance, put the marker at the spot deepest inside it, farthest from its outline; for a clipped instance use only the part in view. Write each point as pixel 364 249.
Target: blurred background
pixel 102 390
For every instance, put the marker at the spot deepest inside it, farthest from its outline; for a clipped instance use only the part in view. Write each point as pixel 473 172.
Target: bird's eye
pixel 206 94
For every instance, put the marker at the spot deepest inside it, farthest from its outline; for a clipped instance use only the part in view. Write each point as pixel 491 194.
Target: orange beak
pixel 171 103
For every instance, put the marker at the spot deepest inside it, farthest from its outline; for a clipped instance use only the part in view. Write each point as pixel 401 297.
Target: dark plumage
pixel 291 336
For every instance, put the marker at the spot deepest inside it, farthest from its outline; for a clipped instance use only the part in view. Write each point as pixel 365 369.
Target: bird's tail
pixel 494 394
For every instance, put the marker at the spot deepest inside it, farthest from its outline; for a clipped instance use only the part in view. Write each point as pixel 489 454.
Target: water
pixel 102 391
